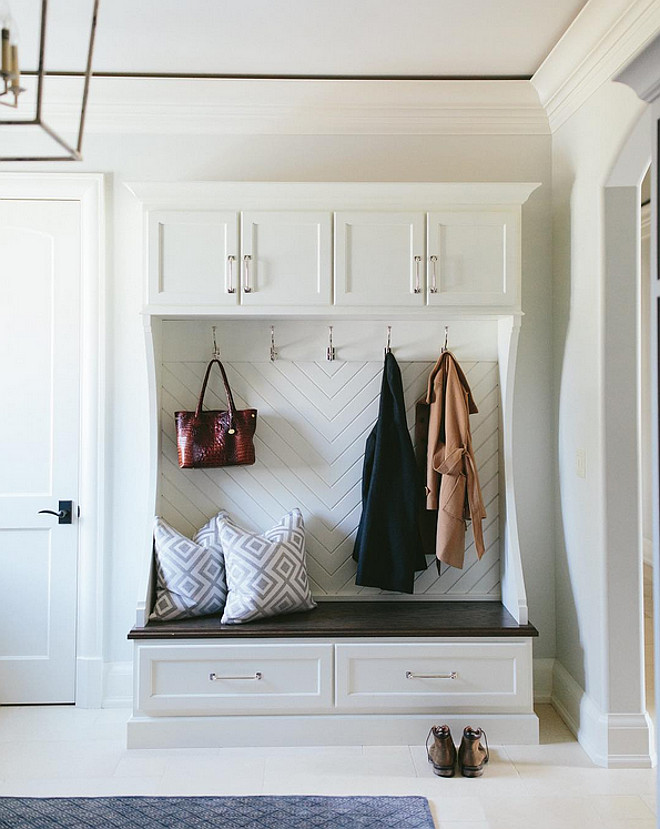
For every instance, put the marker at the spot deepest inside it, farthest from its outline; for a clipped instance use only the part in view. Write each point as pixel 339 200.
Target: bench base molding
pixel 331 729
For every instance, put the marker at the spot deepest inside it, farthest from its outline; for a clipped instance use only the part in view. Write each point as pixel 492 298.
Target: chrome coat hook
pixel 273 350
pixel 388 346
pixel 216 350
pixel 444 347
pixel 330 353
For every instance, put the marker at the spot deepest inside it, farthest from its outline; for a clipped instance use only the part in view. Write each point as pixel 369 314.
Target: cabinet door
pixel 196 679
pixel 189 257
pixel 286 258
pixel 379 259
pixel 473 257
pixel 488 676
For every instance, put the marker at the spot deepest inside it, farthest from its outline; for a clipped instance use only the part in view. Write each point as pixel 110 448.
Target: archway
pixel 628 726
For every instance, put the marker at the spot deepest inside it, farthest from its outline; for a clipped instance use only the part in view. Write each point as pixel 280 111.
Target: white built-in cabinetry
pixel 193 257
pixel 280 258
pixel 426 255
pixel 474 257
pixel 286 258
pixel 380 256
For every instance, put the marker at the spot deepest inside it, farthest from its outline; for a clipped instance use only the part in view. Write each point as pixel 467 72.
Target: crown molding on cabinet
pixel 300 107
pixel 596 46
pixel 305 195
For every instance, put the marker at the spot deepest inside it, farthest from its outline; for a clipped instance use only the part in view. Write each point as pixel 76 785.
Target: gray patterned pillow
pixel 266 574
pixel 190 574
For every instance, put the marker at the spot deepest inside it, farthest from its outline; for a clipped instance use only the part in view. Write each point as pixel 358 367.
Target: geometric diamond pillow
pixel 190 574
pixel 266 573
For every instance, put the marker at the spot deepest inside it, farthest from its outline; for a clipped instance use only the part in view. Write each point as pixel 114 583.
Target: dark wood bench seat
pixel 355 619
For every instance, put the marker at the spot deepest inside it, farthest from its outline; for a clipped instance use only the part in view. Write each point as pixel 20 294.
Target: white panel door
pixel 473 257
pixel 193 257
pixel 286 258
pixel 379 259
pixel 39 446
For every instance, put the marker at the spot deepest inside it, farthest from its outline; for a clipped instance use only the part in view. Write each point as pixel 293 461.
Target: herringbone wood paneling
pixel 314 419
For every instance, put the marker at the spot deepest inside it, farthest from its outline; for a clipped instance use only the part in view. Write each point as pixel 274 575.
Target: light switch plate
pixel 581 463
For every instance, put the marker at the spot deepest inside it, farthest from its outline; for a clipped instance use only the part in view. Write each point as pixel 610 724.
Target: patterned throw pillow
pixel 190 574
pixel 266 574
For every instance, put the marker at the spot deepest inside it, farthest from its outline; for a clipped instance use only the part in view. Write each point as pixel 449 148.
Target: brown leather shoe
pixel 443 751
pixel 472 755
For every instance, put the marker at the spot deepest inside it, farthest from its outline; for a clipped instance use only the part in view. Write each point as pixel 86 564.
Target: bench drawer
pixel 190 679
pixel 435 677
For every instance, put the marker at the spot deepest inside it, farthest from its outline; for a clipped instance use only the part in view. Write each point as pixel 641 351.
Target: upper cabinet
pixel 286 258
pixel 473 257
pixel 304 247
pixel 192 257
pixel 379 258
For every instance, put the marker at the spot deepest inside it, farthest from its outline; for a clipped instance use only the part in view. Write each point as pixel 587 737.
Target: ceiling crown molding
pixel 643 73
pixel 596 46
pixel 300 107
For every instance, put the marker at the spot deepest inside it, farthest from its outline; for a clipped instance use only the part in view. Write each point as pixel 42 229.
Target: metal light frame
pixel 73 153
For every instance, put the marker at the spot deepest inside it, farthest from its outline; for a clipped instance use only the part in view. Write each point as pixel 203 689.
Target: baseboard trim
pixel 89 682
pixel 118 685
pixel 610 740
pixel 543 671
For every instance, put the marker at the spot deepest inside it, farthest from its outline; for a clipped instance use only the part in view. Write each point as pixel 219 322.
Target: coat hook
pixel 273 350
pixel 216 350
pixel 388 347
pixel 330 353
pixel 444 347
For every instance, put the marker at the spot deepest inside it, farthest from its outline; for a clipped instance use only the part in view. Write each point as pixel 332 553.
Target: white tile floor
pixel 68 752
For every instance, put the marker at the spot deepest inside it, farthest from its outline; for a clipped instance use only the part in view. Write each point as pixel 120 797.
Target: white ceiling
pixel 408 38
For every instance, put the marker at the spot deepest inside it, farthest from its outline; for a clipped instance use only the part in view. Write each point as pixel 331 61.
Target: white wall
pixel 584 151
pixel 646 482
pixel 321 158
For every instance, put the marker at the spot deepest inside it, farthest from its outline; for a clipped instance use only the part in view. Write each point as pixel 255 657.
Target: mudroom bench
pixel 347 672
pixel 300 286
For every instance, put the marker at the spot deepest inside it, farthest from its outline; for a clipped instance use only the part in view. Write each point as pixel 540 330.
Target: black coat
pixel 388 547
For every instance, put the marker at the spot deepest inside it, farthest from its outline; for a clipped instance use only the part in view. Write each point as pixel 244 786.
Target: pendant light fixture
pixel 12 92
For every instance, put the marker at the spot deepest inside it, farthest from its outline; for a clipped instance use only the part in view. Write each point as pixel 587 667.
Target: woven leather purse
pixel 215 438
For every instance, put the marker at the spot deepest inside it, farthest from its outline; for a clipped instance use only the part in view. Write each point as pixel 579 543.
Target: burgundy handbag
pixel 215 438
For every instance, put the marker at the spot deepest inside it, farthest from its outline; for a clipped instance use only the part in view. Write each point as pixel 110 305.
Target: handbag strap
pixel 230 397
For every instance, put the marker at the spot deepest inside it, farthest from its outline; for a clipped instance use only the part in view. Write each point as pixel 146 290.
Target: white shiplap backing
pixel 314 419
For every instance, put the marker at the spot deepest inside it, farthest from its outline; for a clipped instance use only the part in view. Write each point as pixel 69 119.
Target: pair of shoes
pixel 472 756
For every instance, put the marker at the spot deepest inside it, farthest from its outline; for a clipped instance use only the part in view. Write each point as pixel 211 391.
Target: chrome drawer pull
pixel 434 284
pixel 418 286
pixel 247 288
pixel 230 279
pixel 450 675
pixel 214 677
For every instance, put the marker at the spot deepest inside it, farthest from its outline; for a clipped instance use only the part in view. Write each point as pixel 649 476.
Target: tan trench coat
pixel 452 482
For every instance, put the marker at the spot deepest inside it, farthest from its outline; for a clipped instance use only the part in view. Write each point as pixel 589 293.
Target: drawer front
pixel 429 677
pixel 190 679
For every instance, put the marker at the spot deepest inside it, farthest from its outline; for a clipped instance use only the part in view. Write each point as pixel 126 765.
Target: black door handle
pixel 64 513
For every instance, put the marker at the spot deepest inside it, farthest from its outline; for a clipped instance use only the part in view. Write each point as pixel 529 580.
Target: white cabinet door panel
pixel 290 258
pixel 482 676
pixel 477 257
pixel 189 257
pixel 238 678
pixel 379 259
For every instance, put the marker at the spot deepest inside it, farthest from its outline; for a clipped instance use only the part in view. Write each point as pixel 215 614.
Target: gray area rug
pixel 215 813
